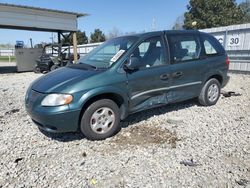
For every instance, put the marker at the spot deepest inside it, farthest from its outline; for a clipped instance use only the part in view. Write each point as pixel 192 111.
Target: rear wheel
pixel 210 92
pixel 101 120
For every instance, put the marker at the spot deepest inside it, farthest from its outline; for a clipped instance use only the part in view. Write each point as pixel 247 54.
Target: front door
pixel 148 86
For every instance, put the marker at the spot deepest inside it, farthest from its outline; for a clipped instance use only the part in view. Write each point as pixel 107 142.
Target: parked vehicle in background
pixel 126 75
pixel 53 57
pixel 19 44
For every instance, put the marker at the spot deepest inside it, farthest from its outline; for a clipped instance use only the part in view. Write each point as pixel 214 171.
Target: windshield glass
pixel 108 53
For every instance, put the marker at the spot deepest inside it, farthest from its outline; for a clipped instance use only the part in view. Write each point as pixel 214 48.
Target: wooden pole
pixel 75 47
pixel 59 37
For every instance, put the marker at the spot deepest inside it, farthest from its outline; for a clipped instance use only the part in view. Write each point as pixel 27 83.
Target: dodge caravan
pixel 125 75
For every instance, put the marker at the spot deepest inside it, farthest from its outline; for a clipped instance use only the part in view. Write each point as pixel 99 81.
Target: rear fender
pixel 214 73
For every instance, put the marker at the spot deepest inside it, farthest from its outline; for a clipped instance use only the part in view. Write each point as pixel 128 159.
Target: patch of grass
pixel 6 58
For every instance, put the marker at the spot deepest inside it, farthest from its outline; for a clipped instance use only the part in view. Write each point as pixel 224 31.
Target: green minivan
pixel 125 75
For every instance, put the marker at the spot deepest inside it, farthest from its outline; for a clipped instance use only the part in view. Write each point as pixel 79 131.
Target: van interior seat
pixel 152 55
pixel 136 53
pixel 65 56
pixel 180 54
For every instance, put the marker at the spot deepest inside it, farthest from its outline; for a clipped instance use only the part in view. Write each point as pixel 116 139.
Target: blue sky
pixel 126 15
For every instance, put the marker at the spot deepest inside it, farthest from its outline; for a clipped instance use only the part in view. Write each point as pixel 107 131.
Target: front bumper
pixel 51 119
pixel 45 66
pixel 57 122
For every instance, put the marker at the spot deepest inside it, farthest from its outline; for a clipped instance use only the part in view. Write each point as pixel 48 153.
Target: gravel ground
pixel 181 145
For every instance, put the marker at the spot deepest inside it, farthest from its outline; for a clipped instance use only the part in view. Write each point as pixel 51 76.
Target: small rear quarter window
pixel 211 45
pixel 209 49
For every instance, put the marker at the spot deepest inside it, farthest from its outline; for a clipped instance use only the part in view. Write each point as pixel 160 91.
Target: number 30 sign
pixel 234 40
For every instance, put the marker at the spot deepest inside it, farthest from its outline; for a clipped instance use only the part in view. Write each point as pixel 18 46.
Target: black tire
pixel 98 108
pixel 37 69
pixel 54 67
pixel 204 98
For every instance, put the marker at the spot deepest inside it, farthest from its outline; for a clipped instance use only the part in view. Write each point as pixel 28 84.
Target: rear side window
pixel 184 48
pixel 211 46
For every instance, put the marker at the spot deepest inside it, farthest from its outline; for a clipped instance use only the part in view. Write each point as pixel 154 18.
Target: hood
pixel 61 78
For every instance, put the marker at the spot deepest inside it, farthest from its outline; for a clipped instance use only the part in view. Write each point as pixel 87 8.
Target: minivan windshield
pixel 108 53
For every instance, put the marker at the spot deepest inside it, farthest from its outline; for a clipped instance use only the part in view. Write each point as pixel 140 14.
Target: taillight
pixel 227 61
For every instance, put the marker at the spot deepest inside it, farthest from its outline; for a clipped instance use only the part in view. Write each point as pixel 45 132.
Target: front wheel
pixel 54 67
pixel 37 69
pixel 101 120
pixel 210 92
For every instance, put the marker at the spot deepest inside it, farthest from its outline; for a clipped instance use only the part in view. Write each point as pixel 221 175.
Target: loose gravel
pixel 180 145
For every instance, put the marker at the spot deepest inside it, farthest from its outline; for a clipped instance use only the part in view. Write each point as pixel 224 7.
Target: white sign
pixel 233 40
pixel 117 56
pixel 220 38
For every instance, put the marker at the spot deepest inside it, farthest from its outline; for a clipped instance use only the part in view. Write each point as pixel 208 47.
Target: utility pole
pixel 52 38
pixel 31 43
pixel 153 24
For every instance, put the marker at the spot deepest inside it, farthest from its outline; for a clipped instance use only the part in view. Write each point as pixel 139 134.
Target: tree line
pixel 200 14
pixel 96 36
pixel 82 38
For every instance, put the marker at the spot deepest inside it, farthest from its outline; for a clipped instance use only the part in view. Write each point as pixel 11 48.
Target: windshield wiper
pixel 88 65
pixel 81 65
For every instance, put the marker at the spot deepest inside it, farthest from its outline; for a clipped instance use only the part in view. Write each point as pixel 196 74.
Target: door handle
pixel 165 76
pixel 177 74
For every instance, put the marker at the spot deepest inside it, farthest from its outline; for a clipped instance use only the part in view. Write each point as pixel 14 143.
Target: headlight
pixel 57 99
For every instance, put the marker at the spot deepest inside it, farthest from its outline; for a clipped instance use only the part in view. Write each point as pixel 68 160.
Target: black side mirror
pixel 132 64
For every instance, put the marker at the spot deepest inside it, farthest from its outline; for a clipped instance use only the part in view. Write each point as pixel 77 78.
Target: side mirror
pixel 132 64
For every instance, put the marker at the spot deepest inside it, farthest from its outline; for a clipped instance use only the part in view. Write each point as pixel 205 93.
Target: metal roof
pixel 44 9
pixel 227 28
pixel 37 19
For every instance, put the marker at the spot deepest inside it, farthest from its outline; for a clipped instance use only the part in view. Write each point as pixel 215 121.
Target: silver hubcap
pixel 213 93
pixel 102 120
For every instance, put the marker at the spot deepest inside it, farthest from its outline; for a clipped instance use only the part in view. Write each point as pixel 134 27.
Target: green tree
pixel 245 7
pixel 81 38
pixel 97 36
pixel 212 13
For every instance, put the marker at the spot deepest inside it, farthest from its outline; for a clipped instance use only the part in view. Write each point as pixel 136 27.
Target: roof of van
pixel 181 31
pixel 165 31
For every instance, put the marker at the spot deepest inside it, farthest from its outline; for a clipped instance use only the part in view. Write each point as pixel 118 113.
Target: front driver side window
pixel 150 53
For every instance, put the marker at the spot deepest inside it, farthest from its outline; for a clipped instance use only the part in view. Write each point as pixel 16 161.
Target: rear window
pixel 211 45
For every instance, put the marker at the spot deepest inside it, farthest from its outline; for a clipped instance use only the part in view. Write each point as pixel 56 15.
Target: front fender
pixel 103 90
pixel 84 98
